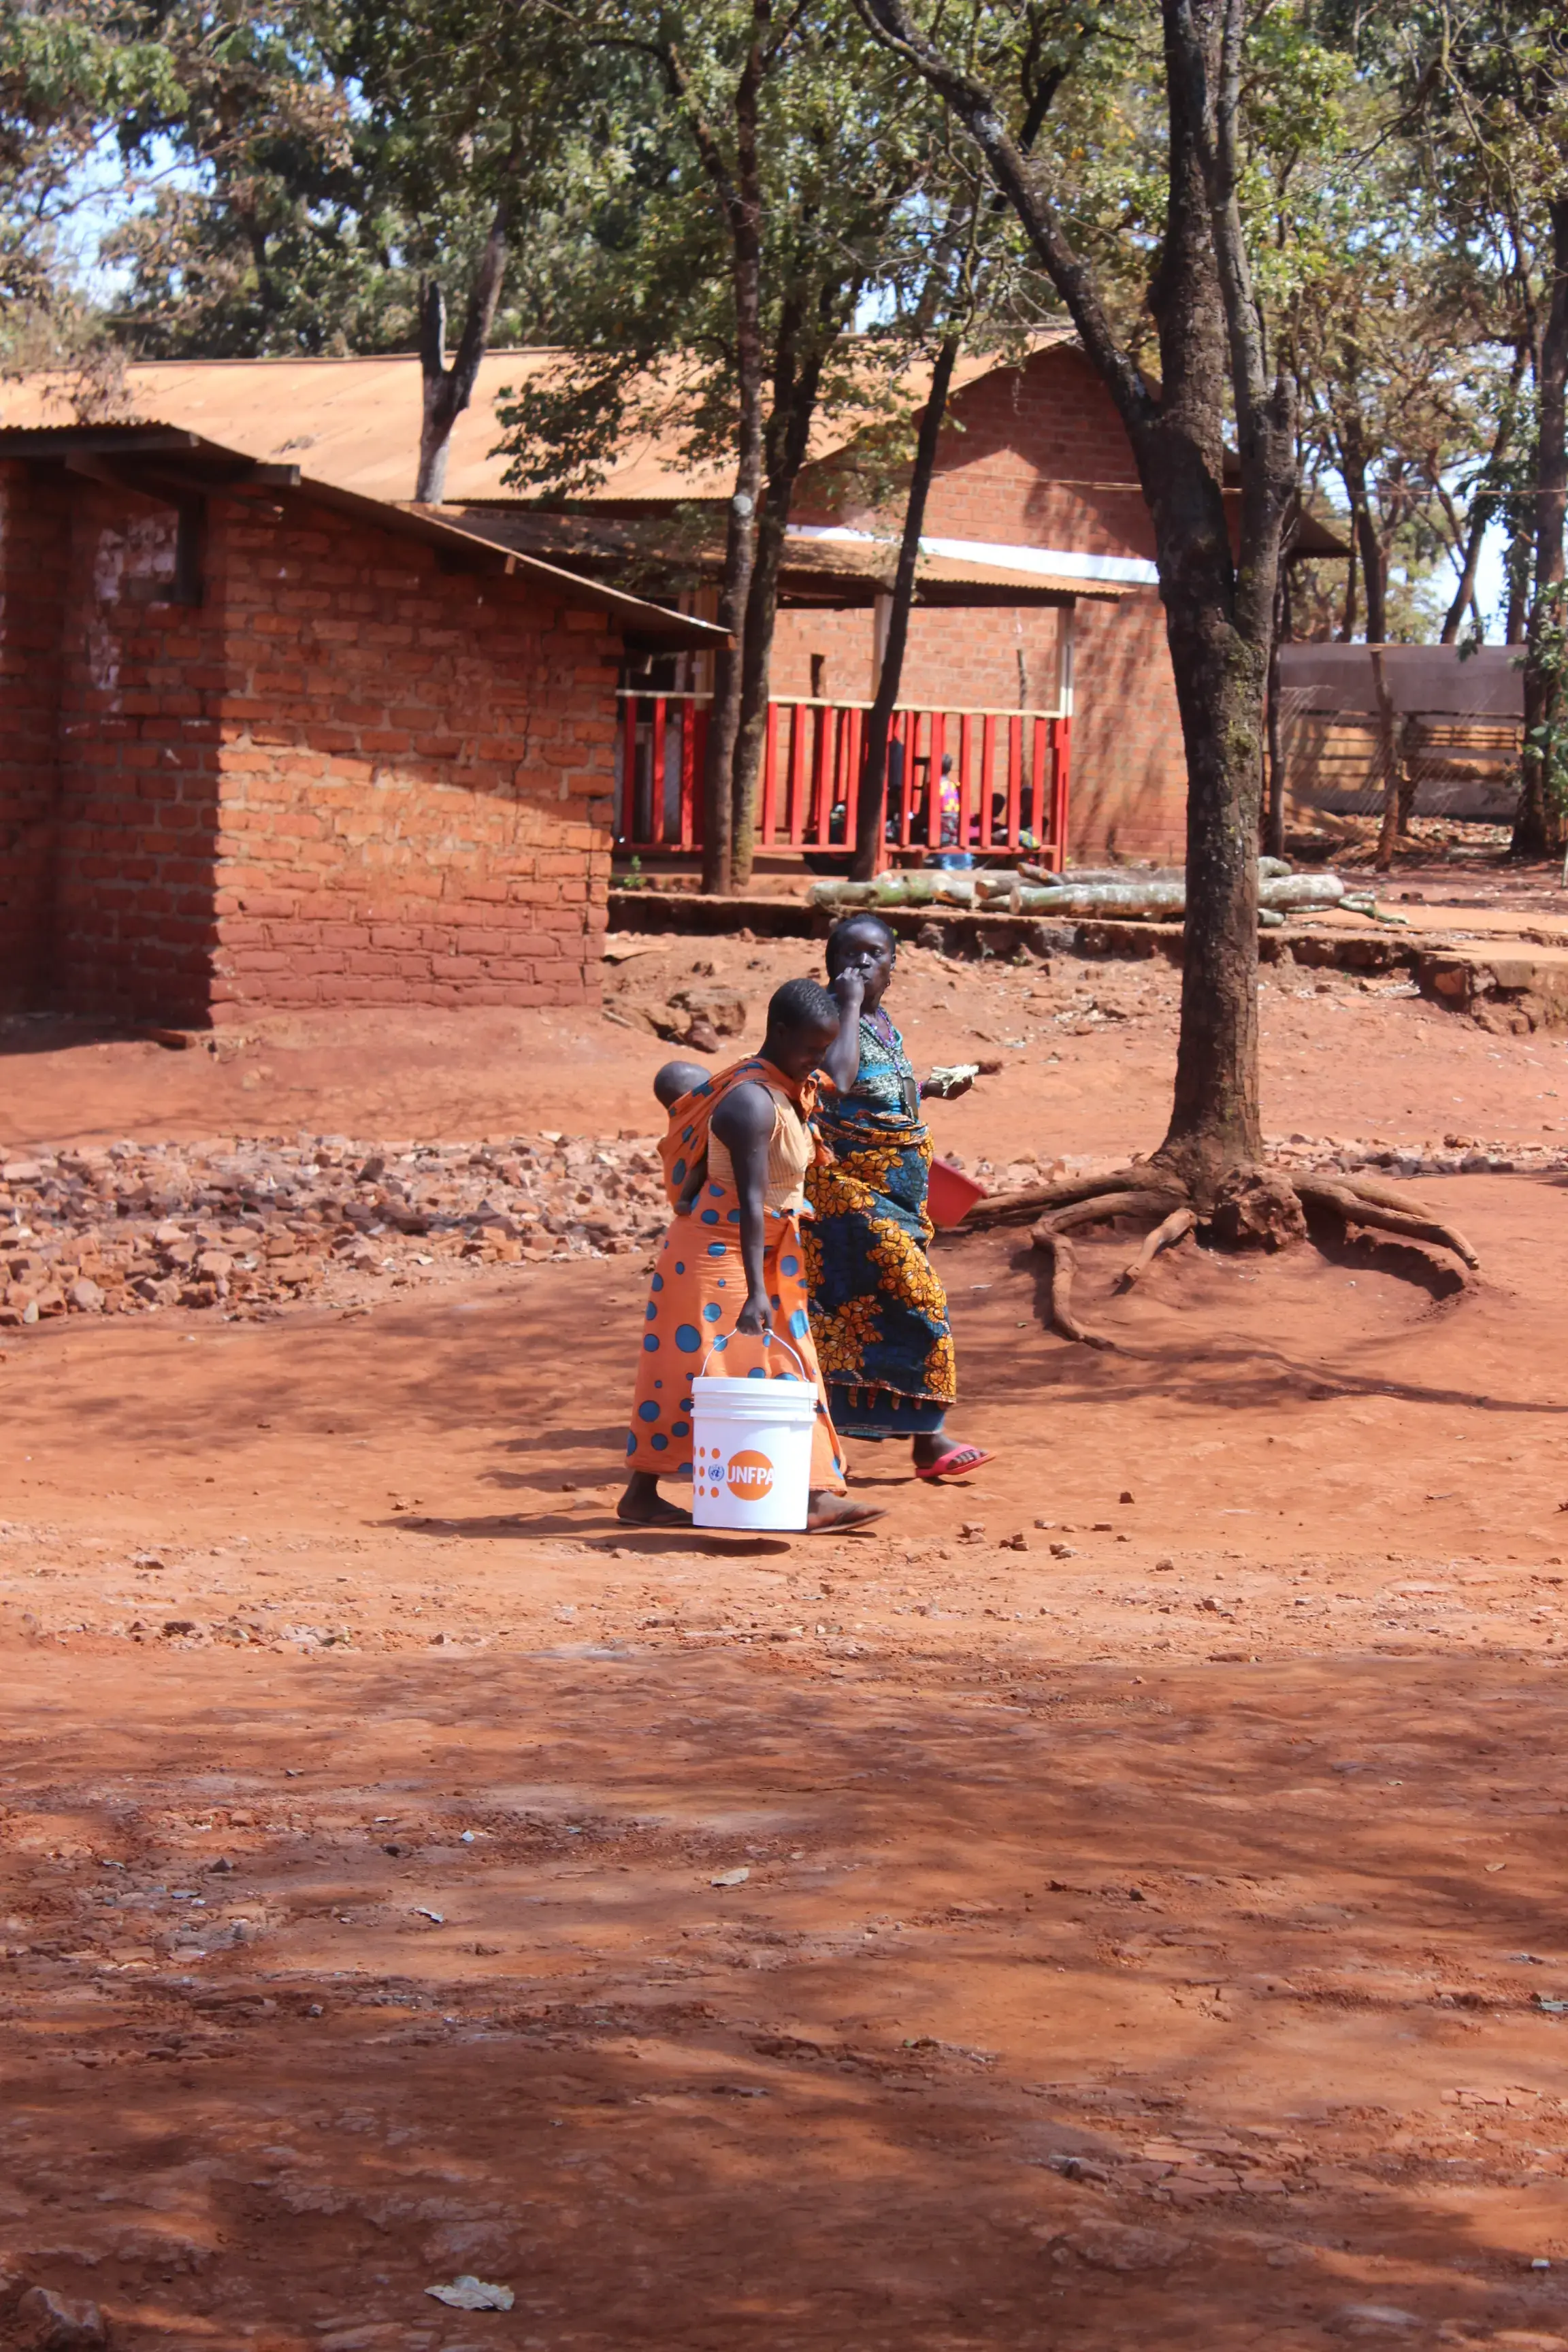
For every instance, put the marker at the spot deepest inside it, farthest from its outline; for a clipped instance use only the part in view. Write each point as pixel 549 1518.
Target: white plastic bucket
pixel 751 1448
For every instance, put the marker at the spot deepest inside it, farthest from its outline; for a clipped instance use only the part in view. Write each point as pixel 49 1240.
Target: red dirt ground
pixel 1153 1935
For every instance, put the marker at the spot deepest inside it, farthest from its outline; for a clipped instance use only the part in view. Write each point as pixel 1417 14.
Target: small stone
pixel 971 1530
pixel 470 2294
pixel 1125 1496
pixel 1161 1565
pixel 85 1296
pixel 1118 2246
pixel 1064 1552
pixel 22 1171
pixel 1020 1542
pixel 730 1877
pixel 216 1263
pixel 56 2324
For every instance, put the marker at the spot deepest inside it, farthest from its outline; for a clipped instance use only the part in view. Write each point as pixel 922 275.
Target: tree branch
pixel 889 22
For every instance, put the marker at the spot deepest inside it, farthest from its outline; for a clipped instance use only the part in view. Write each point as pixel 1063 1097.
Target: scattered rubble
pixel 252 1224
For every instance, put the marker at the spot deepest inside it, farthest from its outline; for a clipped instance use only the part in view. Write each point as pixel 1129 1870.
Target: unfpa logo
pixel 750 1477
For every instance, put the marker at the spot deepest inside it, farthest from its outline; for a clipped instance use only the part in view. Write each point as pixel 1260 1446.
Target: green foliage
pixel 69 70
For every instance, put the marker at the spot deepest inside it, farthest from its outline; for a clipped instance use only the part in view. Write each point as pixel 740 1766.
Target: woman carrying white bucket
pixel 733 1268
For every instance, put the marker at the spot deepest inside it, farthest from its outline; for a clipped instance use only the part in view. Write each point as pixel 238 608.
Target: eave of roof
pixel 170 459
pixel 841 574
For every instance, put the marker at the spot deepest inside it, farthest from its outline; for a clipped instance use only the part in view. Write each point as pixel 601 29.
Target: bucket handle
pixel 767 1339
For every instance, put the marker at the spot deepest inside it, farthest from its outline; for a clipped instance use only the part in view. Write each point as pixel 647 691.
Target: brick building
pixel 265 742
pixel 1033 465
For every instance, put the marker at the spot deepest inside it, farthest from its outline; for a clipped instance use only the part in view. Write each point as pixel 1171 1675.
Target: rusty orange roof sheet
pixel 355 422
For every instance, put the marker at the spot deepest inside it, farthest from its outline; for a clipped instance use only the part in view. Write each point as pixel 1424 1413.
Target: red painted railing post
pixel 821 723
pixel 936 751
pixel 657 819
pixel 905 724
pixel 1040 817
pixel 770 771
pixel 697 720
pixel 987 773
pixel 798 738
pixel 688 720
pixel 1015 779
pixel 1061 772
pixel 854 750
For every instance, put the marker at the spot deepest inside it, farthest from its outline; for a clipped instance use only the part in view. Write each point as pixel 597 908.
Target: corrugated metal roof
pixel 355 422
pixel 159 450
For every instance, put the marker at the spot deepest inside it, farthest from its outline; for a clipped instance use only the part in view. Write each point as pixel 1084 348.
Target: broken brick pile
pixel 251 1225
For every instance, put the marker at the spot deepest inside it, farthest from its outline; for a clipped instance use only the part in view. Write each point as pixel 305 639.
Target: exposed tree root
pixel 1174 1228
pixel 1051 1235
pixel 1022 1208
pixel 1064 1268
pixel 1255 1204
pixel 1409 1218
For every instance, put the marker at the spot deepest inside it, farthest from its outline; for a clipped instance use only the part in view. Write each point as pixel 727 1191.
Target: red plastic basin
pixel 952 1195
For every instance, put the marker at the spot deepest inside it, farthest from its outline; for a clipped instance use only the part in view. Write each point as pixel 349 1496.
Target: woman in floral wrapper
pixel 878 1311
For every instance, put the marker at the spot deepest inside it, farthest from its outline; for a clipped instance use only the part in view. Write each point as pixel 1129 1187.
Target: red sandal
pixel 959 1463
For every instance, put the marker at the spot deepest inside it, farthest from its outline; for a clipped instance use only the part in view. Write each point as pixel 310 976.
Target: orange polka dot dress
pixel 696 1293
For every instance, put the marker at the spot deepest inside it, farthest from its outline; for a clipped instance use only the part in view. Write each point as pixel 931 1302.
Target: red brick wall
pixel 346 777
pixel 416 776
pixel 1035 463
pixel 126 917
pixel 34 549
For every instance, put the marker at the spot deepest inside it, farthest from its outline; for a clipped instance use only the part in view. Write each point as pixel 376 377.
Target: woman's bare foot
pixel 826 1510
pixel 642 1505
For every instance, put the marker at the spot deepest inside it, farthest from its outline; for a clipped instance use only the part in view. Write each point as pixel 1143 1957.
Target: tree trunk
pixel 448 390
pixel 1347 627
pixel 1274 828
pixel 1464 594
pixel 1219 611
pixel 1486 504
pixel 740 545
pixel 1374 574
pixel 724 711
pixel 1539 828
pixel 1388 752
pixel 740 197
pixel 796 383
pixel 871 802
pixel 1216 1121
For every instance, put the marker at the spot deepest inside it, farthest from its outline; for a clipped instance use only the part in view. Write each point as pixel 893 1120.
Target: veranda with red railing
pixel 994 783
